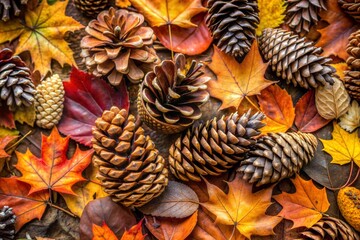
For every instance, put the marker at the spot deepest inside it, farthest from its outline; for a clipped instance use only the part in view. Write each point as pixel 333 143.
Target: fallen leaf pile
pixel 177 120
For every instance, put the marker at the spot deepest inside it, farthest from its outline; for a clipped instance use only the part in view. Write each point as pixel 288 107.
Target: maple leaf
pixel 277 105
pixel 306 206
pixel 340 69
pixel 237 81
pixel 42 34
pixel 134 233
pixel 122 3
pixel 53 170
pixel 103 232
pixel 271 14
pixel 344 147
pixel 334 37
pixel 241 208
pixel 86 97
pixel 26 207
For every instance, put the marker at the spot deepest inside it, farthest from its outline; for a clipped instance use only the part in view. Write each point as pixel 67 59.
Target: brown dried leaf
pixel 351 120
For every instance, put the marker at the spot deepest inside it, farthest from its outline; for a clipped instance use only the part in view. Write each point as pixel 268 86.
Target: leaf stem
pixel 253 104
pixel 171 42
pixel 356 177
pixel 18 141
pixel 61 209
pixel 349 178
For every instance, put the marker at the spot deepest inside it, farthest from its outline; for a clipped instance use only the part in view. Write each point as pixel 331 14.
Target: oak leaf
pixel 241 208
pixel 134 233
pixel 103 232
pixel 42 33
pixel 272 14
pixel 306 206
pixel 86 97
pixel 277 105
pixel 53 170
pixel 343 147
pixel 26 207
pixel 307 118
pixel 25 115
pixel 237 81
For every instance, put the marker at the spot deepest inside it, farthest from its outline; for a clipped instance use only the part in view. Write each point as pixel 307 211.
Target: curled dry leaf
pixel 351 120
pixel 177 201
pixel 332 101
pixel 104 210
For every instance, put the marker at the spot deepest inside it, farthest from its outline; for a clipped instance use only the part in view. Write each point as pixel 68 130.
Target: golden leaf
pixel 271 14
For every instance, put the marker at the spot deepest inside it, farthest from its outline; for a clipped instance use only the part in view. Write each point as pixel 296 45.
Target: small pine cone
pixel 329 228
pixel 277 156
pixel 49 101
pixel 130 167
pixel 16 87
pixel 351 7
pixel 233 24
pixel 295 60
pixel 118 45
pixel 91 8
pixel 301 15
pixel 214 147
pixel 7 223
pixel 352 84
pixel 170 96
pixel 353 49
pixel 11 8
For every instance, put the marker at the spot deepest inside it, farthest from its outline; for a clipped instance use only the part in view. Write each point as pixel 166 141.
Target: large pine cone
pixel 117 45
pixel 214 147
pixel 329 228
pixel 351 7
pixel 353 49
pixel 91 8
pixel 352 84
pixel 130 167
pixel 16 87
pixel 170 96
pixel 49 102
pixel 295 60
pixel 301 15
pixel 7 223
pixel 233 24
pixel 277 156
pixel 10 8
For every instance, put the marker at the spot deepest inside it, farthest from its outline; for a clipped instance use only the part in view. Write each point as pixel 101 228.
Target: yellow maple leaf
pixel 344 147
pixel 271 14
pixel 42 34
pixel 340 68
pixel 122 3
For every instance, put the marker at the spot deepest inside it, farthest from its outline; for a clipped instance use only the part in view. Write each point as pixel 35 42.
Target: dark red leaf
pixel 86 97
pixel 307 117
pixel 7 118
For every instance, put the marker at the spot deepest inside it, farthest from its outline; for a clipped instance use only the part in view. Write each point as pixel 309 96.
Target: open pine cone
pixel 118 45
pixel 16 87
pixel 91 8
pixel 7 223
pixel 351 7
pixel 170 96
pixel 130 167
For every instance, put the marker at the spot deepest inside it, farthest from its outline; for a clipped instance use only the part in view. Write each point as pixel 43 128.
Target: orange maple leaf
pixel 237 81
pixel 277 105
pixel 241 208
pixel 103 232
pixel 306 206
pixel 14 194
pixel 53 170
pixel 3 144
pixel 134 233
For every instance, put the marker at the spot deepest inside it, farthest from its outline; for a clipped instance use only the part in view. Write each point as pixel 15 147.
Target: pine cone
pixel 329 228
pixel 16 87
pixel 353 49
pixel 130 167
pixel 117 45
pixel 233 24
pixel 277 156
pixel 91 8
pixel 7 223
pixel 49 101
pixel 170 96
pixel 214 147
pixel 295 60
pixel 10 8
pixel 351 7
pixel 301 15
pixel 352 84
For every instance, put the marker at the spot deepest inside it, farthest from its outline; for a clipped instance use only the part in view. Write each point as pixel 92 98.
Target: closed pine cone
pixel 352 84
pixel 130 167
pixel 351 7
pixel 170 96
pixel 301 15
pixel 277 156
pixel 329 228
pixel 7 223
pixel 118 45
pixel 91 7
pixel 214 147
pixel 49 101
pixel 353 49
pixel 233 24
pixel 295 60
pixel 16 87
